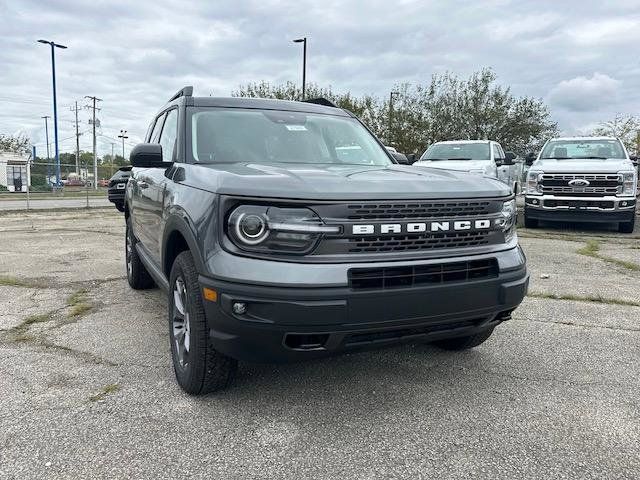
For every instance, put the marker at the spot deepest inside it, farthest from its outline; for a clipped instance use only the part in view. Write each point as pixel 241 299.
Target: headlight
pixel 533 183
pixel 629 182
pixel 259 228
pixel 508 219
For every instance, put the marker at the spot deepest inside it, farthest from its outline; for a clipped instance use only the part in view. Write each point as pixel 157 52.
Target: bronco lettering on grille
pixel 420 227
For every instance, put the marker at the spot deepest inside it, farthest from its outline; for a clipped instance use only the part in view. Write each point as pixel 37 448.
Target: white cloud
pixel 582 94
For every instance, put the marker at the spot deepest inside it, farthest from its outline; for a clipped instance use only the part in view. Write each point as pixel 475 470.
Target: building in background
pixel 15 172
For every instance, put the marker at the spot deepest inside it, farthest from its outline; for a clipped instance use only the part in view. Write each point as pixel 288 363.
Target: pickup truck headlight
pixel 533 183
pixel 259 228
pixel 508 219
pixel 629 182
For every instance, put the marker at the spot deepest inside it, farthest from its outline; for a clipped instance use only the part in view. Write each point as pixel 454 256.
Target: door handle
pixel 142 184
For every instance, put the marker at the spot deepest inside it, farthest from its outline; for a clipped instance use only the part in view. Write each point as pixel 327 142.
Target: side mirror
pixel 147 155
pixel 634 159
pixel 400 158
pixel 510 158
pixel 530 158
pixel 411 158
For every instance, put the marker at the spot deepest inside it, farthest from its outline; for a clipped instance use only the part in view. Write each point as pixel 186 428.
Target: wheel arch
pixel 178 237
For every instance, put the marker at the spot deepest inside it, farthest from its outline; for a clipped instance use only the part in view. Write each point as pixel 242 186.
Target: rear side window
pixel 169 135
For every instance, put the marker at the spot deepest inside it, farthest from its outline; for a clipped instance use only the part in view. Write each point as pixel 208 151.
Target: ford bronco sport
pixel 284 231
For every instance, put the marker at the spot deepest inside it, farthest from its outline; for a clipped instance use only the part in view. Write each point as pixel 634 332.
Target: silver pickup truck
pixel 589 179
pixel 484 157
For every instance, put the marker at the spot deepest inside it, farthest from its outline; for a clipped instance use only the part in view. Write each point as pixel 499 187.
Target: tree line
pixel 446 108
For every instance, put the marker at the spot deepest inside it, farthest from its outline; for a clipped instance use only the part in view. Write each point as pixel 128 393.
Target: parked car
pixel 484 157
pixel 274 243
pixel 587 179
pixel 117 185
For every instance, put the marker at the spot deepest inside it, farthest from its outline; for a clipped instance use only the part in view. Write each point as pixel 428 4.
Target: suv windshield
pixel 457 151
pixel 231 135
pixel 565 149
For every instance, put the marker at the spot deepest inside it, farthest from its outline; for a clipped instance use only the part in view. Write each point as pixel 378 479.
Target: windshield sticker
pixel 296 128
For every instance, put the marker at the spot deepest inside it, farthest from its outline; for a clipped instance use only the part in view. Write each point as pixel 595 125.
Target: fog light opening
pixel 239 308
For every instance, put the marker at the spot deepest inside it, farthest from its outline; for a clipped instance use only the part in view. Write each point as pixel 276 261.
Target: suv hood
pixel 458 165
pixel 579 165
pixel 337 182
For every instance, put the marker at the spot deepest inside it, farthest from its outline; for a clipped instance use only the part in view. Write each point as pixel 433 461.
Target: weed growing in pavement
pixel 104 391
pixel 587 298
pixel 592 249
pixel 79 303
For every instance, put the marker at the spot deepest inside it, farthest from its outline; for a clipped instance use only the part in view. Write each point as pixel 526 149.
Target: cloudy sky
pixel 580 56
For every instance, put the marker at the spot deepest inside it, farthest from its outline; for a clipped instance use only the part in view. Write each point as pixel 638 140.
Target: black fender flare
pixel 180 223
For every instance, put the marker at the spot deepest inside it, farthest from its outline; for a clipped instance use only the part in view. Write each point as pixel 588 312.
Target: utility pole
pixel 123 135
pixel 95 153
pixel 75 109
pixel 46 132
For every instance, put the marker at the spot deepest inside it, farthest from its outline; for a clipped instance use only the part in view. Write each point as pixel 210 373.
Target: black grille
pixel 408 276
pixel 407 333
pixel 602 204
pixel 400 243
pixel 386 211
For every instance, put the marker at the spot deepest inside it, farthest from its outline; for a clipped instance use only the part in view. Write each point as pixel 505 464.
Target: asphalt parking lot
pixel 87 389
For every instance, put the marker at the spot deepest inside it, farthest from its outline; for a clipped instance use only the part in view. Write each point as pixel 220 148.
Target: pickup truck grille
pixel 409 276
pixel 599 184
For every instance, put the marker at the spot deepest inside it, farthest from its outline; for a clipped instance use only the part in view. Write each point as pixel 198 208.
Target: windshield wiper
pixel 459 158
pixel 556 158
pixel 597 158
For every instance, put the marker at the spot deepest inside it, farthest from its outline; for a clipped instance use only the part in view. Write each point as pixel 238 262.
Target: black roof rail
pixel 321 101
pixel 183 92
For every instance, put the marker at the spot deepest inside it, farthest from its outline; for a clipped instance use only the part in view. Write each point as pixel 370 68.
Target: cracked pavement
pixel 554 393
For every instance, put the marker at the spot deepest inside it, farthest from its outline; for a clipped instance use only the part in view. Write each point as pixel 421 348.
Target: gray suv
pixel 285 231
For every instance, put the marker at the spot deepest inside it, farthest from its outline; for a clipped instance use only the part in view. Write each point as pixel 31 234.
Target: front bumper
pixel 574 209
pixel 116 195
pixel 289 322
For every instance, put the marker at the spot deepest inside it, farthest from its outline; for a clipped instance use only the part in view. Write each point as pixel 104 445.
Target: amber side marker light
pixel 209 294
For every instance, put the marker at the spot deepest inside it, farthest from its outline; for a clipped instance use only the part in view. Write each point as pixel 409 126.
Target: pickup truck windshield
pixel 233 135
pixel 567 149
pixel 457 151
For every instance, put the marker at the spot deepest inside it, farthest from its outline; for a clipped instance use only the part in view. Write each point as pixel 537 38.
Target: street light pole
pixel 112 145
pixel 123 135
pixel 391 95
pixel 46 132
pixel 55 106
pixel 303 40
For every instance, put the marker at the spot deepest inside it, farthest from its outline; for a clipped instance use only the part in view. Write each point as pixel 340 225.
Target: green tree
pixel 15 143
pixel 624 127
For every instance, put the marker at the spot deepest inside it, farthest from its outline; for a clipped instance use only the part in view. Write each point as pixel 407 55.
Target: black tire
pixel 464 343
pixel 137 275
pixel 199 368
pixel 627 227
pixel 530 222
pixel 119 207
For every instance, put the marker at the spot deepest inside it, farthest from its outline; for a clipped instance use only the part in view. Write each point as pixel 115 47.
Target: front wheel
pixel 627 227
pixel 530 222
pixel 199 368
pixel 464 343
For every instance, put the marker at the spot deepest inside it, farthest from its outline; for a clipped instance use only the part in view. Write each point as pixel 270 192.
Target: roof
pixel 581 138
pixel 453 142
pixel 266 104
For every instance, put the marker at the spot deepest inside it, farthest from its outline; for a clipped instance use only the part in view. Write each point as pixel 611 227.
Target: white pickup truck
pixel 589 179
pixel 484 157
